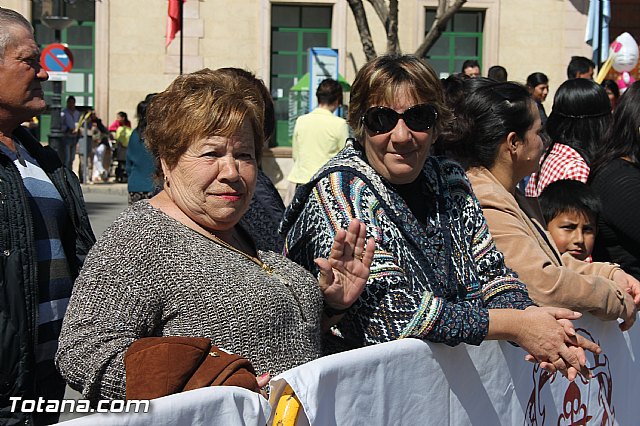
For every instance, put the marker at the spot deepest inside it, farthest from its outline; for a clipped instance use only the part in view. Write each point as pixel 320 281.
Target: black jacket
pixel 18 268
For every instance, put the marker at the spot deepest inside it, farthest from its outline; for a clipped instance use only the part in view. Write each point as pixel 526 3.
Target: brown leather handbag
pixel 160 366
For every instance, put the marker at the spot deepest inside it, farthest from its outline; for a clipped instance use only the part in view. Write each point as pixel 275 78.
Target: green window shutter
pixel 294 29
pixel 461 40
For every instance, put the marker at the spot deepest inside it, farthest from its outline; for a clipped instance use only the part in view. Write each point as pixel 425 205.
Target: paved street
pixel 104 203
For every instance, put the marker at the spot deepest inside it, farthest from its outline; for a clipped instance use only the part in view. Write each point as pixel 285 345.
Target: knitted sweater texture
pixel 435 280
pixel 149 275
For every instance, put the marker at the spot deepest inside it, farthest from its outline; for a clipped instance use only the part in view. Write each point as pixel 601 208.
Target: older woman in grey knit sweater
pixel 180 265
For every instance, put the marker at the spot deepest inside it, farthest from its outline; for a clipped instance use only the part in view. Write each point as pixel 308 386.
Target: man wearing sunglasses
pixel 319 135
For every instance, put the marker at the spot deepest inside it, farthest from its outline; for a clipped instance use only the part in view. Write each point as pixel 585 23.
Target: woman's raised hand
pixel 547 334
pixel 344 274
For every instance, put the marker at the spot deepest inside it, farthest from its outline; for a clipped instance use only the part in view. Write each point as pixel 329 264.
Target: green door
pixel 294 29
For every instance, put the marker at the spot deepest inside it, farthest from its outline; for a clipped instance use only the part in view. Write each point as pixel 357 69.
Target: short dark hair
pixel 469 63
pixel 497 73
pixel 452 139
pixel 569 196
pixel 329 92
pixel 71 98
pixel 612 86
pixel 579 65
pixel 141 112
pixel 536 78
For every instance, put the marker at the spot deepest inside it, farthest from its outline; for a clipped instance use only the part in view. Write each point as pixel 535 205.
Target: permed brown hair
pixel 269 111
pixel 379 81
pixel 198 105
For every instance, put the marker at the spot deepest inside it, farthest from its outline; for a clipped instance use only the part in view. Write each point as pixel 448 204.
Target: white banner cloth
pixel 216 405
pixel 411 382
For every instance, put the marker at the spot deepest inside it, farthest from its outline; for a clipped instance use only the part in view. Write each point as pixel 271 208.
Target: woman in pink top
pixel 580 116
pixel 121 120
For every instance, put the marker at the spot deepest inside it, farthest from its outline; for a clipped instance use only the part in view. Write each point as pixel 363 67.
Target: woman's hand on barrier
pixel 572 373
pixel 344 274
pixel 548 335
pixel 563 317
pixel 631 286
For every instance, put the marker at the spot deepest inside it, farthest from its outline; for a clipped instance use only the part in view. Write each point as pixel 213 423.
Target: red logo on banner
pixel 574 411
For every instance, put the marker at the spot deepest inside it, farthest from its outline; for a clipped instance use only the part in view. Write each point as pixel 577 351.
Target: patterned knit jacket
pixel 149 275
pixel 434 282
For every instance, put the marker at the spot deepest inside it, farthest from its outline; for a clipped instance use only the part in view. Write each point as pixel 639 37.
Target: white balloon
pixel 627 57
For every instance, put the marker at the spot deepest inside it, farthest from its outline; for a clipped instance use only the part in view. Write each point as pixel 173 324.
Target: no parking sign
pixel 57 60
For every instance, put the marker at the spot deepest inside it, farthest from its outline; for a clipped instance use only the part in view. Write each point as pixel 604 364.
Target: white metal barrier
pixel 219 405
pixel 411 382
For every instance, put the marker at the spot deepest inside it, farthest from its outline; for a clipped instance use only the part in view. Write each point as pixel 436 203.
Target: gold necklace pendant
pixel 268 269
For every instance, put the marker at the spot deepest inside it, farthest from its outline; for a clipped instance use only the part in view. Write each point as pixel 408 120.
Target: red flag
pixel 173 21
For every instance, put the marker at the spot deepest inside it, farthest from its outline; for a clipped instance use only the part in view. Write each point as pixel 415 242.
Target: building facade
pixel 120 51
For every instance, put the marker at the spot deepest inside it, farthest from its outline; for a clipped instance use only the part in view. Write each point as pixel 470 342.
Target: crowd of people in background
pixel 457 212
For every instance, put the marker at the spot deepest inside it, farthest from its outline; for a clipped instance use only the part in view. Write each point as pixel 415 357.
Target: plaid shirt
pixel 563 162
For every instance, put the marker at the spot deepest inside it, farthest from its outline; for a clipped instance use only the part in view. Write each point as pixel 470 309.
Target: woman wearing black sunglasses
pixel 436 274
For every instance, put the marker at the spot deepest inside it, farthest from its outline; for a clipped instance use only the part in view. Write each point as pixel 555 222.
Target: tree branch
pixel 391 27
pixel 381 10
pixel 363 28
pixel 389 17
pixel 443 15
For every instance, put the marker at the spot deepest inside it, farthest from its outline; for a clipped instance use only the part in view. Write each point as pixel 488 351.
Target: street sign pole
pixel 56 136
pixel 57 59
pixel 58 23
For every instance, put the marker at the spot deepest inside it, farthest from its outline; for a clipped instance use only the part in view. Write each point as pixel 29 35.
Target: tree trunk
pixel 393 44
pixel 443 15
pixel 389 17
pixel 363 28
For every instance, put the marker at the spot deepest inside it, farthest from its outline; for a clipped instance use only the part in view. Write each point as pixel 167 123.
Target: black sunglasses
pixel 419 118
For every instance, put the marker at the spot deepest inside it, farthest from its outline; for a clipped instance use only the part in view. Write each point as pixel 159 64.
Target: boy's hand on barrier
pixel 630 313
pixel 629 284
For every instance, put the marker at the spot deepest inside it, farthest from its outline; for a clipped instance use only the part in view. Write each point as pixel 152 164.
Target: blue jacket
pixel 140 165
